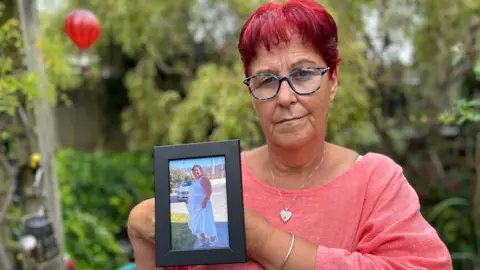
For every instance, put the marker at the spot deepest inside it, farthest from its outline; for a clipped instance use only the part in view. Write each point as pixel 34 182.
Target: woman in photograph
pixel 310 204
pixel 200 212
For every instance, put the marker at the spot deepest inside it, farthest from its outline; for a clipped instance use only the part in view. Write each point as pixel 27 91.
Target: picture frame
pixel 185 232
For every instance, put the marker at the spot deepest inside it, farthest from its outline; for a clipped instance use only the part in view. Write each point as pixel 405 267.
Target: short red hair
pixel 271 24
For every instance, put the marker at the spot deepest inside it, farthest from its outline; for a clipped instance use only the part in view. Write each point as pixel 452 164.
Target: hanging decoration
pixel 83 29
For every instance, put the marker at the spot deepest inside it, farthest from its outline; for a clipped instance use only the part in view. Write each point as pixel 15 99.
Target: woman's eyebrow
pixel 301 62
pixel 265 70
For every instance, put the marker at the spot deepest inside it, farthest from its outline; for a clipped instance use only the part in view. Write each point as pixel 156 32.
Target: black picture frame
pixel 236 252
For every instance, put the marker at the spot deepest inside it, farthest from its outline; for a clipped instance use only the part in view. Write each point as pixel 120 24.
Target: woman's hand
pixel 204 204
pixel 141 231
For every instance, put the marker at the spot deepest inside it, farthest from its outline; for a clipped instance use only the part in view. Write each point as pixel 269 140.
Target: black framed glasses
pixel 304 81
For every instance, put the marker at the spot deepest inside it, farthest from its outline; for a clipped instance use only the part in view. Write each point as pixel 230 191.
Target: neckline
pixel 247 172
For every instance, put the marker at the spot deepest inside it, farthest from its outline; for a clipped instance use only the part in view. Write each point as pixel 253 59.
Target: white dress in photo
pixel 200 220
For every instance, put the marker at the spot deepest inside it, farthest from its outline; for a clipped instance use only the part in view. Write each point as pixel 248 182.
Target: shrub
pixel 98 190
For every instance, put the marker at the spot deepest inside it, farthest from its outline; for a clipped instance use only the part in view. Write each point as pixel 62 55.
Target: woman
pixel 200 212
pixel 310 204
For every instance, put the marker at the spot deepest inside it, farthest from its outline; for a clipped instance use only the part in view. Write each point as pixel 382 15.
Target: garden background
pixel 168 72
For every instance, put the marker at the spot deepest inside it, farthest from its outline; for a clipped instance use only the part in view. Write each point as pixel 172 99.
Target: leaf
pixel 464 256
pixel 445 205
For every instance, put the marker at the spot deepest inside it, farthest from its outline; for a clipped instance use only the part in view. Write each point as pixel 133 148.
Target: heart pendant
pixel 285 215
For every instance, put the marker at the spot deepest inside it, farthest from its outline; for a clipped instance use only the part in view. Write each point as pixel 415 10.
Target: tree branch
pixel 164 67
pixel 30 131
pixel 453 73
pixel 3 257
pixel 5 119
pixel 10 175
pixel 437 164
pixel 476 201
pixel 159 61
pixel 376 96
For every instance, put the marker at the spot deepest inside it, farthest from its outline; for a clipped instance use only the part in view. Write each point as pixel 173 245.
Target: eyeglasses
pixel 304 81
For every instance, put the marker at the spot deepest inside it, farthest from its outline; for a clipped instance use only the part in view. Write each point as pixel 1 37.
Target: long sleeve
pixel 393 233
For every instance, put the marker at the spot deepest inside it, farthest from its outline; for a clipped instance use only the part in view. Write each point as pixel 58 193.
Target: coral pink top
pixel 366 218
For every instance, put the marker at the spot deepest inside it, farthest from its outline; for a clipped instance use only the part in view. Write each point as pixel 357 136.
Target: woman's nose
pixel 285 95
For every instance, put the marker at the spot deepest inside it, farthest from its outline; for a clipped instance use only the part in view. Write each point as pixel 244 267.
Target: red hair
pixel 272 23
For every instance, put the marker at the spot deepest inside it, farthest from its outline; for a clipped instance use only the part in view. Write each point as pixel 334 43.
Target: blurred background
pixel 168 72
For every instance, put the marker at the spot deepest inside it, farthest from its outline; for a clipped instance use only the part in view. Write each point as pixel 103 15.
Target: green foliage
pixel 437 19
pixel 56 50
pixel 145 121
pixel 452 219
pixel 13 78
pixel 217 107
pixel 16 82
pixel 90 241
pixel 463 111
pixel 98 191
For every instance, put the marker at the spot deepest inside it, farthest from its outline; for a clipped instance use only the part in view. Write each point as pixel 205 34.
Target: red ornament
pixel 82 27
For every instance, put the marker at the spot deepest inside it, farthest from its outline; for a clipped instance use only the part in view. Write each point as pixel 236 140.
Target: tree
pixel 12 80
pixel 18 91
pixel 177 177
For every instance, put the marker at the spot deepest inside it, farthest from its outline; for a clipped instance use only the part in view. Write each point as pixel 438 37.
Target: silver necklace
pixel 286 214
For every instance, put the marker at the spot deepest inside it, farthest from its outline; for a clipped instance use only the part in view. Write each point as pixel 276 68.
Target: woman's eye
pixel 302 73
pixel 267 81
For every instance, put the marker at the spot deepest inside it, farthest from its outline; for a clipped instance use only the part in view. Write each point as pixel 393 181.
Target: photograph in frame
pixel 199 204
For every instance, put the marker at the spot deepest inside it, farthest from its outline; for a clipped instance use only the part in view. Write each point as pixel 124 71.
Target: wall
pixel 81 125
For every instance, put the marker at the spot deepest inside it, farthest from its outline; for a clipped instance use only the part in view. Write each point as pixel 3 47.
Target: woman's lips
pixel 290 119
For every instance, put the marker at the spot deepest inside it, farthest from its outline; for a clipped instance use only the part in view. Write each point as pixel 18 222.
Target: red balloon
pixel 82 27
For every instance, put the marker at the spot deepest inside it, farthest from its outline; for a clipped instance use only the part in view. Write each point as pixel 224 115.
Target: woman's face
pixel 196 172
pixel 308 113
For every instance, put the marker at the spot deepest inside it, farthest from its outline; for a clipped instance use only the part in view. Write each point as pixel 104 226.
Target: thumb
pixel 141 231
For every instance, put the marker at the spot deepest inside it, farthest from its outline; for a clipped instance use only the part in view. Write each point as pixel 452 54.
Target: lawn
pixel 182 238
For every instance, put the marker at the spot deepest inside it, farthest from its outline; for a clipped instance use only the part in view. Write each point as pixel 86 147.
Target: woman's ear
pixel 334 84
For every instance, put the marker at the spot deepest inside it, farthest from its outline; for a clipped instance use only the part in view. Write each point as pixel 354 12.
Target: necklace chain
pixel 301 187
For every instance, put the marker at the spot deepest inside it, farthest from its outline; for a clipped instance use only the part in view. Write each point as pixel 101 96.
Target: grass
pixel 182 237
